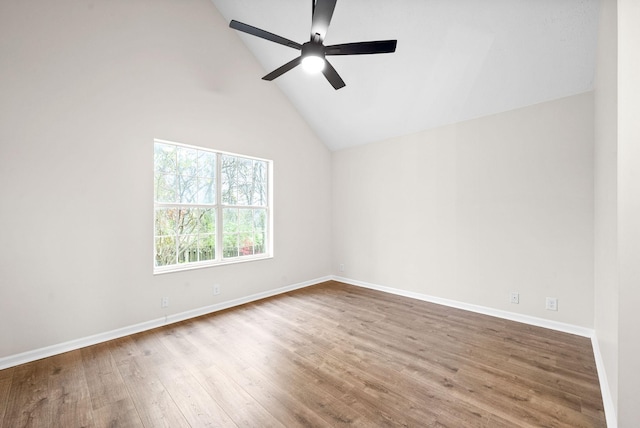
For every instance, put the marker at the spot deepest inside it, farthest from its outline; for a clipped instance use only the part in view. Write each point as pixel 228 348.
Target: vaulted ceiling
pixel 455 60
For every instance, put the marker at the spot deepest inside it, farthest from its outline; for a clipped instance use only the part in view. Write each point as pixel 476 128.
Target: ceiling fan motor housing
pixel 313 49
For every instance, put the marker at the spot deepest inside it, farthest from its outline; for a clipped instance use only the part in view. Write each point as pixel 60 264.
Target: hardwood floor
pixel 327 355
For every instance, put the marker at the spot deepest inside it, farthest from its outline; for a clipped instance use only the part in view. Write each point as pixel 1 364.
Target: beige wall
pixel 475 210
pixel 606 277
pixel 629 212
pixel 617 205
pixel 85 87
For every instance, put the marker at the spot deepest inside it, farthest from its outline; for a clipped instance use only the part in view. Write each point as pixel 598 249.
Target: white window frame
pixel 219 206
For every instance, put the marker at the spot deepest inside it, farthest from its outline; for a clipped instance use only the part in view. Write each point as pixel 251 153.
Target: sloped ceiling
pixel 455 60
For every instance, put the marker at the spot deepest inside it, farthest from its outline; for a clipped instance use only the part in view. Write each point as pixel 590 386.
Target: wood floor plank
pixel 70 403
pixel 111 403
pixel 104 381
pixel 240 405
pixel 6 377
pixel 152 401
pixel 28 403
pixel 198 407
pixel 326 355
pixel 120 414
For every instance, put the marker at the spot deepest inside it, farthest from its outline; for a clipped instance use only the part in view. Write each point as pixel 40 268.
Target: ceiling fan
pixel 314 51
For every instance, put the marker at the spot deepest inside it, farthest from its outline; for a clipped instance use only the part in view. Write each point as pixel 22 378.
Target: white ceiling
pixel 455 60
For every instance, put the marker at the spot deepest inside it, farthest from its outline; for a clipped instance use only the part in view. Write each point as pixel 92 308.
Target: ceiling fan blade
pixel 283 69
pixel 362 48
pixel 332 76
pixel 322 13
pixel 254 31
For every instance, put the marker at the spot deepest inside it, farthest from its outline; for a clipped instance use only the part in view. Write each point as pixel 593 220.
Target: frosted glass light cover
pixel 312 64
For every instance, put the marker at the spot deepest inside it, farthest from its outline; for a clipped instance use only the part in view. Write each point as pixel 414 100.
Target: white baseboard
pixel 37 354
pixel 607 399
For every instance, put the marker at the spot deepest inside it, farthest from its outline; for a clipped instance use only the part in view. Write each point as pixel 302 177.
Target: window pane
pixel 187 221
pixel 259 195
pixel 259 183
pixel 244 231
pixel 230 236
pixel 164 190
pixel 165 251
pixel 245 181
pixel 187 249
pixel 259 247
pixel 187 161
pixel 230 220
pixel 207 247
pixel 245 241
pixel 207 221
pixel 245 193
pixel 260 228
pixel 260 219
pixel 230 245
pixel 228 197
pixel 229 180
pixel 164 159
pixel 165 223
pixel 245 169
pixel 245 220
pixel 187 189
pixel 206 191
pixel 206 164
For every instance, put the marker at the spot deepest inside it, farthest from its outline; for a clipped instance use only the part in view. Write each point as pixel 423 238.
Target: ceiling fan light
pixel 313 64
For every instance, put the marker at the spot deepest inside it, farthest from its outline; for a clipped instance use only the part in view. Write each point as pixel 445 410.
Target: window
pixel 209 207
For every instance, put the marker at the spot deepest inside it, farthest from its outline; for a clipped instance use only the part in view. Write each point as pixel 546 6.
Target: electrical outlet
pixel 216 289
pixel 164 302
pixel 341 267
pixel 551 304
pixel 515 297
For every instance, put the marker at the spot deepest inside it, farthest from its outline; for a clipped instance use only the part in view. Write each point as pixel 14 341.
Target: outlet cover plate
pixel 515 297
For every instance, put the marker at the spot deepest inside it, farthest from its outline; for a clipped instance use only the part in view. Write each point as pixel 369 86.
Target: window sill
pixel 193 266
